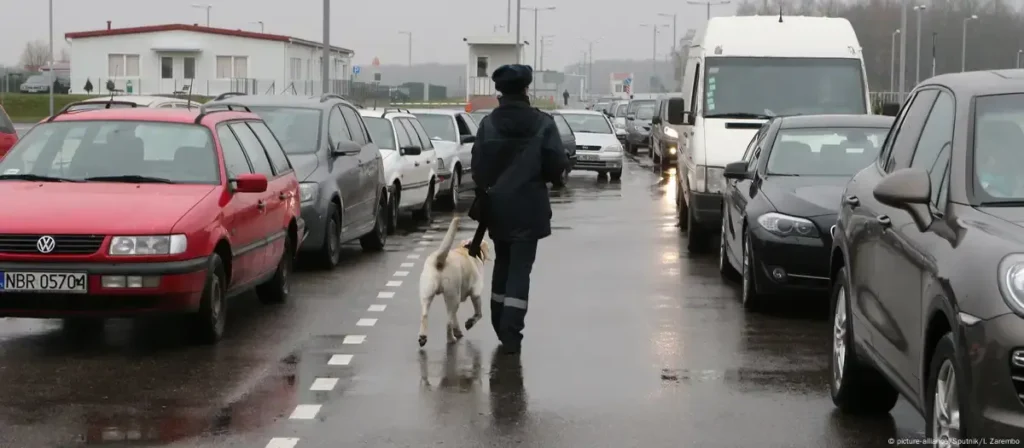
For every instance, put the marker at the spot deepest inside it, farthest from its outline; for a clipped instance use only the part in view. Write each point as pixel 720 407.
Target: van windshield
pixel 783 86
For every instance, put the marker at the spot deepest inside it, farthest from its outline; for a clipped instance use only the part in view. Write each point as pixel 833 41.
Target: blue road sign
pixel 627 81
pixel 355 69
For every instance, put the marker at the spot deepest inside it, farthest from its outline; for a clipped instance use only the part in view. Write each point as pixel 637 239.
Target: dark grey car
pixel 927 265
pixel 340 169
pixel 638 128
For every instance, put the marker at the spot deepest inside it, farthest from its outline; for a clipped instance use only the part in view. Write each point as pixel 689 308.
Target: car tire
pixel 329 254
pixel 209 321
pixel 426 211
pixel 682 211
pixel 855 386
pixel 378 237
pixel 945 371
pixel 393 204
pixel 276 290
pixel 750 298
pixel 616 175
pixel 725 266
pixel 696 237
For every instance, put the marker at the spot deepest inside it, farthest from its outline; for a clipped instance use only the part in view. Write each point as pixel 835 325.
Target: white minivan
pixel 741 72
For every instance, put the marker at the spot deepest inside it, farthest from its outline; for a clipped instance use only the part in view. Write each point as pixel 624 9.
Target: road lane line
pixel 407 265
pixel 386 295
pixel 428 236
pixel 366 322
pixel 394 283
pixel 324 384
pixel 340 360
pixel 420 249
pixel 401 273
pixel 305 412
pixel 283 442
pixel 354 339
pixel 377 308
pixel 413 256
pixel 425 242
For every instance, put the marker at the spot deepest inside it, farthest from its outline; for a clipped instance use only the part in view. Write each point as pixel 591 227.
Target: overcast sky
pixel 438 26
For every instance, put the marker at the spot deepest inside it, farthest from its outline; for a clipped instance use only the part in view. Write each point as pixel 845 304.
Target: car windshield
pixel 107 150
pixel 594 124
pixel 998 158
pixel 620 110
pixel 438 126
pixel 645 113
pixel 839 151
pixel 783 86
pixel 298 128
pixel 635 105
pixel 381 132
pixel 37 79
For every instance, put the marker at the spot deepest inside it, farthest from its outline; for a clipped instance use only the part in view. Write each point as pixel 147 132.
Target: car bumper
pixel 601 162
pixel 315 218
pixel 179 289
pixel 444 183
pixel 996 409
pixel 791 263
pixel 706 209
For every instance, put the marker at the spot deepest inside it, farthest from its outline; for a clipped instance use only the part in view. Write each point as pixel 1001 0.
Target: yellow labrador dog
pixel 457 276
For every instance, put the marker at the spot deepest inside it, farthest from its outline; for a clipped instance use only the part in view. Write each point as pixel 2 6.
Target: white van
pixel 742 71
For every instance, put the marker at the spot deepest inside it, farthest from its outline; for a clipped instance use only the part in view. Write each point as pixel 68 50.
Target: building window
pixel 618 88
pixel 123 65
pixel 166 67
pixel 296 68
pixel 481 67
pixel 231 67
pixel 190 68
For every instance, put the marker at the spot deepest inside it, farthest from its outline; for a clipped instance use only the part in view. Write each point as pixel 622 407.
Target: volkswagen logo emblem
pixel 46 244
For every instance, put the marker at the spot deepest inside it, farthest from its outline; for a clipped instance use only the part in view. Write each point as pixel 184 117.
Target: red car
pixel 8 135
pixel 124 212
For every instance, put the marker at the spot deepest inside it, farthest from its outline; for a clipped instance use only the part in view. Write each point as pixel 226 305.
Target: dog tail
pixel 446 244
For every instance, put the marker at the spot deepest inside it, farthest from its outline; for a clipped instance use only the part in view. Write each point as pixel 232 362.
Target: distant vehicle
pixel 163 212
pixel 784 196
pixel 742 71
pixel 8 135
pixel 409 160
pixel 42 83
pixel 617 114
pixel 478 115
pixel 597 149
pixel 340 170
pixel 638 131
pixel 600 107
pixel 453 133
pixel 157 102
pixel 664 138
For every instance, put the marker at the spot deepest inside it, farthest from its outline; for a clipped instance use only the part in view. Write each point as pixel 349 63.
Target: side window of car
pixel 235 161
pixel 470 123
pixel 404 139
pixel 277 156
pixel 463 127
pixel 749 152
pixel 428 145
pixel 413 136
pixel 253 149
pixel 904 138
pixel 563 126
pixel 886 150
pixel 933 149
pixel 355 125
pixel 336 127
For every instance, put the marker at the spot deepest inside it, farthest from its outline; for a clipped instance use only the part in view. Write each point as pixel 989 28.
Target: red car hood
pixel 95 208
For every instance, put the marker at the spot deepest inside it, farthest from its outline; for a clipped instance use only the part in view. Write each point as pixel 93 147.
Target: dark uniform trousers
pixel 510 288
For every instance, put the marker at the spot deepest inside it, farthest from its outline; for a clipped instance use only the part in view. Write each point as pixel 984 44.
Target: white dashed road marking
pixel 428 236
pixel 324 384
pixel 386 295
pixel 413 256
pixel 394 283
pixel 420 249
pixel 366 322
pixel 401 273
pixel 340 360
pixel 305 412
pixel 406 265
pixel 354 339
pixel 283 442
pixel 377 308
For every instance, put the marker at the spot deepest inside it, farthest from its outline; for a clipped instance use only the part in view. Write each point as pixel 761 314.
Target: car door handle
pixel 883 220
pixel 416 164
pixel 262 205
pixel 851 201
pixel 284 196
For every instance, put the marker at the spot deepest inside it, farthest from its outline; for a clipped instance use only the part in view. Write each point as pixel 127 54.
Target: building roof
pixel 198 29
pixel 493 39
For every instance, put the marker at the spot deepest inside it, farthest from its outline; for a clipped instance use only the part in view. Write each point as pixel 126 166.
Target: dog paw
pixel 423 340
pixel 471 322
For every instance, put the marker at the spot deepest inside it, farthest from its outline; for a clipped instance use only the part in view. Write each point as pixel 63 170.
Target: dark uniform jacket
pixel 519 208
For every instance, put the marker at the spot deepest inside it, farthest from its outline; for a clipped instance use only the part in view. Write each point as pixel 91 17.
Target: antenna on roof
pixel 188 97
pixel 780 12
pixel 111 100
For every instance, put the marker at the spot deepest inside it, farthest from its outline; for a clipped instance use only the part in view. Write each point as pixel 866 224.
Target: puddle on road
pixel 808 381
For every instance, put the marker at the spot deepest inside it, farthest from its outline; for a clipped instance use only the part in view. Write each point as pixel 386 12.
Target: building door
pixel 169 73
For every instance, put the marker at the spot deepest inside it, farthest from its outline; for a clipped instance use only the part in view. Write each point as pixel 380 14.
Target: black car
pixel 340 169
pixel 568 142
pixel 782 198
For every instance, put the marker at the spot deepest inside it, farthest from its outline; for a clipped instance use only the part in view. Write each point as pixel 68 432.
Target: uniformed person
pixel 517 152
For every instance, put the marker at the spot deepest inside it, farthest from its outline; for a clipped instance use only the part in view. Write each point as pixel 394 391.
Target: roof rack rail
pixel 328 96
pixel 207 109
pixel 394 109
pixel 106 105
pixel 227 95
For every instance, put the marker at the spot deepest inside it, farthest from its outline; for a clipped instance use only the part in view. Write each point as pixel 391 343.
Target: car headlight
pixel 148 245
pixel 671 133
pixel 612 148
pixel 440 164
pixel 1011 282
pixel 784 225
pixel 307 192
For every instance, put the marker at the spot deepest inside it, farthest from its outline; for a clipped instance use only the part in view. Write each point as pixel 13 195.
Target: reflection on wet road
pixel 630 341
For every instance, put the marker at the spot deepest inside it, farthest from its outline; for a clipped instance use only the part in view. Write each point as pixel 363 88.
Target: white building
pixel 164 59
pixel 487 53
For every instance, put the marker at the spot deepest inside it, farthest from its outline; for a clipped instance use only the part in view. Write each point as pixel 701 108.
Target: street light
pixel 260 23
pixel 207 8
pixel 675 22
pixel 408 33
pixel 903 49
pixel 589 54
pixel 917 73
pixel 963 49
pixel 654 64
pixel 709 4
pixel 892 63
pixel 544 40
pixel 1018 57
pixel 325 65
pixel 536 16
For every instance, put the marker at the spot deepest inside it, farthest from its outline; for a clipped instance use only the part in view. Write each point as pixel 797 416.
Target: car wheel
pixel 426 211
pixel 330 251
pixel 750 297
pixel 855 386
pixel 682 212
pixel 378 237
pixel 724 265
pixel 695 235
pixel 209 321
pixel 393 203
pixel 277 288
pixel 944 398
pixel 453 191
pixel 617 174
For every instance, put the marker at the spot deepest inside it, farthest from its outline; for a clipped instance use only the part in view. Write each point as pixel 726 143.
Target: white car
pixel 453 133
pixel 597 148
pixel 410 162
pixel 161 102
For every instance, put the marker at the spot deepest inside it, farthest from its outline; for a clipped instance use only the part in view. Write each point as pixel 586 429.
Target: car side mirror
pixel 736 170
pixel 411 150
pixel 676 111
pixel 347 148
pixel 631 117
pixel 890 109
pixel 689 118
pixel 656 120
pixel 250 183
pixel 907 189
pixel 468 139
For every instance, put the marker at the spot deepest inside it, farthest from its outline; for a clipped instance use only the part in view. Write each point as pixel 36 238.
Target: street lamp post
pixel 917 67
pixel 903 49
pixel 408 33
pixel 536 17
pixel 654 57
pixel 544 40
pixel 519 26
pixel 963 48
pixel 892 63
pixel 325 60
pixel 675 23
pixel 207 8
pixel 709 4
pixel 260 23
pixel 1018 57
pixel 934 36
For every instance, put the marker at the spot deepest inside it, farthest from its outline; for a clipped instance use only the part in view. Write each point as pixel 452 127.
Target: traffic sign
pixel 355 69
pixel 627 81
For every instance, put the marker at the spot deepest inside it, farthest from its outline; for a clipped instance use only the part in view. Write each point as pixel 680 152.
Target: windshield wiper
pixel 1010 203
pixel 36 177
pixel 739 115
pixel 131 178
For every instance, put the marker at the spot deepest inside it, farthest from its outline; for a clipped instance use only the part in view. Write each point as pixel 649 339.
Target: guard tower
pixel 486 54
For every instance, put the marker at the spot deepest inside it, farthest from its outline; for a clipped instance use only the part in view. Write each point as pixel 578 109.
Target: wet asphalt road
pixel 630 342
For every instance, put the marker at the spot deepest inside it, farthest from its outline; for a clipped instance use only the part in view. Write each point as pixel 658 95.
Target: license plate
pixel 588 157
pixel 69 282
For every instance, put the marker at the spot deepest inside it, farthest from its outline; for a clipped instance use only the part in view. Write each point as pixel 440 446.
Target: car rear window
pixel 297 128
pixel 381 132
pixel 82 150
pixel 840 151
pixel 438 126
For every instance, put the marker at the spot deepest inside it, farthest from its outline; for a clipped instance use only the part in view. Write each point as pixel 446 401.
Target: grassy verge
pixel 32 107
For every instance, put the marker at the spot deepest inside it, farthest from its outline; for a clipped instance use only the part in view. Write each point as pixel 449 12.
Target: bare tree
pixel 36 54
